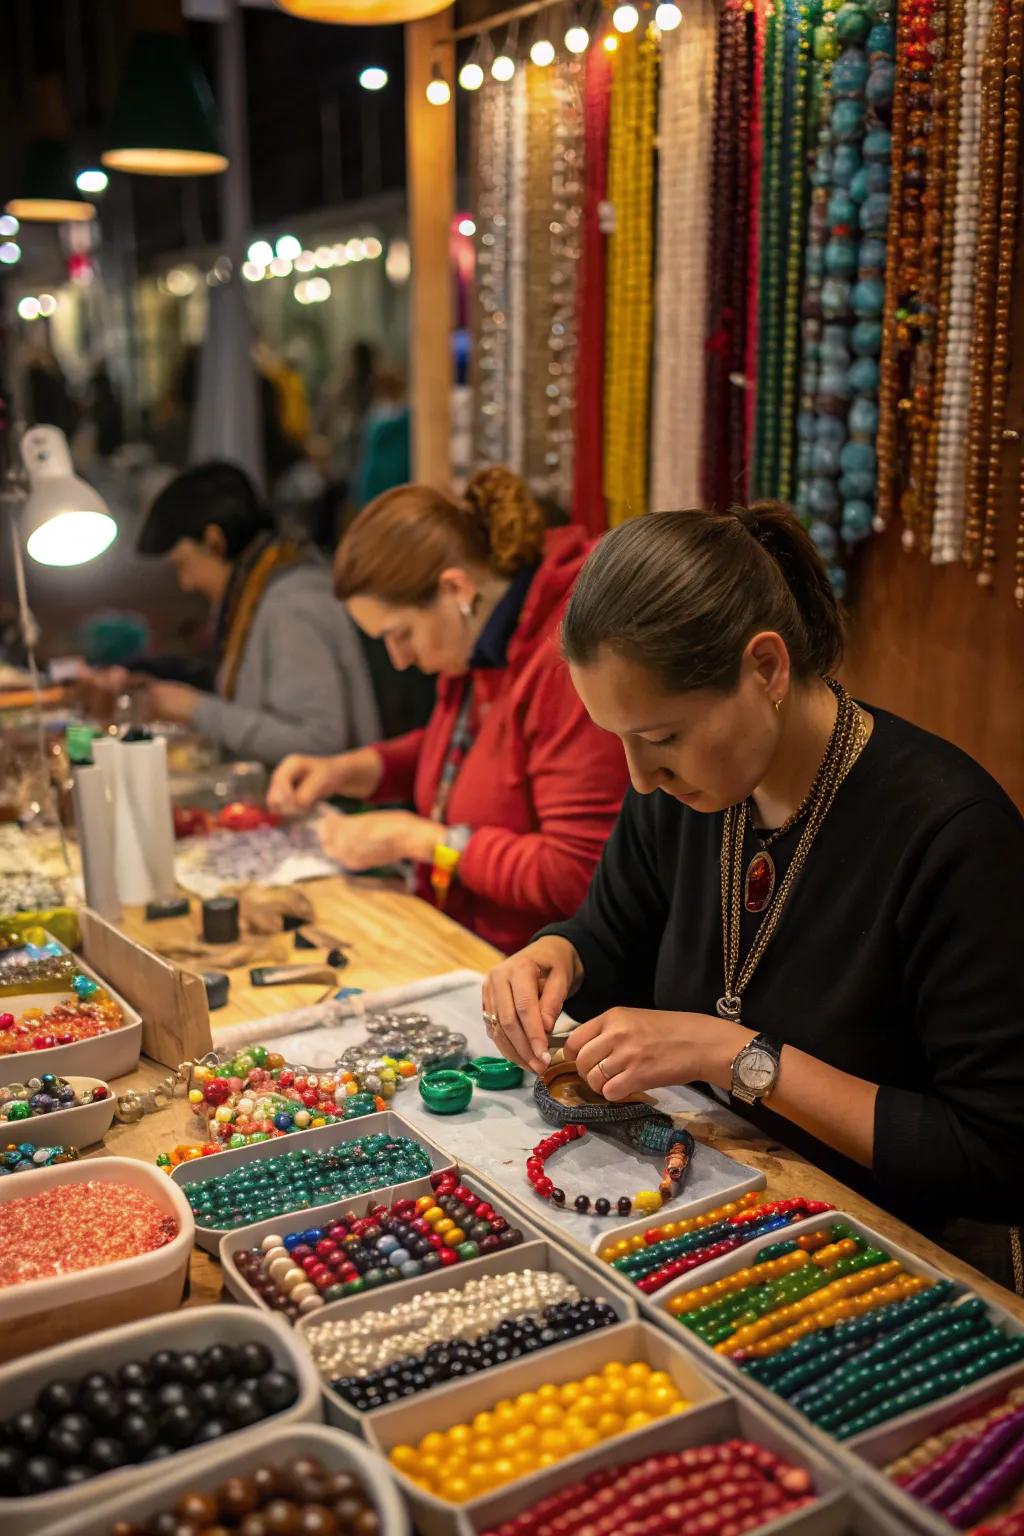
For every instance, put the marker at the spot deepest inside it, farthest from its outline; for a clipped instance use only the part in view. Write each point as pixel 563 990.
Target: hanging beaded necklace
pixel 775 138
pixel 538 270
pixel 806 17
pixel 492 124
pixel 588 490
pixel 564 234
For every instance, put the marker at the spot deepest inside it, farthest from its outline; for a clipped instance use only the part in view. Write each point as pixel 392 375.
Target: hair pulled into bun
pixel 510 523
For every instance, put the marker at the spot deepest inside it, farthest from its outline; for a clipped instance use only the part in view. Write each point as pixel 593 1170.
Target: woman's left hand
pixel 379 837
pixel 629 1050
pixel 174 702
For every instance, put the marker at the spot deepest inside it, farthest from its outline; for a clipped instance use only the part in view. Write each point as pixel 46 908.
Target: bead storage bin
pixel 837 1509
pixel 538 1254
pixel 218 1163
pixel 683 1211
pixel 885 1445
pixel 81 1126
pixel 407 1422
pixel 261 1447
pixel 193 1328
pixel 986 1387
pixel 299 1221
pixel 40 1313
pixel 105 1057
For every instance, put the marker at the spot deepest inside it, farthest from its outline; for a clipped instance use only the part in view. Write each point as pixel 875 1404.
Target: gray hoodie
pixel 303 683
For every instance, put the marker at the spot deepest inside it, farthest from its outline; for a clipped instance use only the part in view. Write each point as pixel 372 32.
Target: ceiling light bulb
pixel 374 78
pixel 543 52
pixel 625 18
pixel 10 252
pixel 288 248
pixel 439 92
pixel 471 76
pixel 8 225
pixel 467 227
pixel 260 253
pixel 668 16
pixel 93 181
pixel 503 68
pixel 28 309
pixel 252 271
pixel 47 305
pixel 577 39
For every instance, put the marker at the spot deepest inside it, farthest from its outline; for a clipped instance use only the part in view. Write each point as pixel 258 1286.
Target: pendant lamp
pixel 66 521
pixel 164 117
pixel 46 191
pixel 363 13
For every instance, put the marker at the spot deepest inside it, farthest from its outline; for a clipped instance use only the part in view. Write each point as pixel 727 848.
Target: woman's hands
pixel 175 702
pixel 628 1050
pixel 300 781
pixel 378 837
pixel 525 994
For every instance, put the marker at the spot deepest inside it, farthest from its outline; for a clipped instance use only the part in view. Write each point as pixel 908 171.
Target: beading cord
pixel 1009 200
pixel 628 320
pixel 537 271
pixel 564 232
pixel 493 119
pixel 798 115
pixel 684 137
pixel 519 256
pixel 588 488
pixel 950 492
pixel 989 179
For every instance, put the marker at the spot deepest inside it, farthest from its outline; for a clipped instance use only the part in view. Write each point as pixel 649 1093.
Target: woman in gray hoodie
pixel 291 673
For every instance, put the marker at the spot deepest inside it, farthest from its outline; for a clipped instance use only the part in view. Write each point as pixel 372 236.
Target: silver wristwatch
pixel 457 838
pixel 755 1069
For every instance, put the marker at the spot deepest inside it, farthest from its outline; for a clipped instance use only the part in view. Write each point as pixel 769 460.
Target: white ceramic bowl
pixel 78 1127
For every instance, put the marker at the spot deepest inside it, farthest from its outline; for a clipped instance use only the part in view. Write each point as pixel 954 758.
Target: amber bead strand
pixel 950 142
pixel 889 372
pixel 984 282
pixel 1008 201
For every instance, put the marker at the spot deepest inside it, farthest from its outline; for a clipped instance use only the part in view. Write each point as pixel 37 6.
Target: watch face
pixel 756 1070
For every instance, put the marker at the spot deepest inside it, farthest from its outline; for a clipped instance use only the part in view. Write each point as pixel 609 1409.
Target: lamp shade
pixel 47 191
pixel 363 13
pixel 66 522
pixel 164 119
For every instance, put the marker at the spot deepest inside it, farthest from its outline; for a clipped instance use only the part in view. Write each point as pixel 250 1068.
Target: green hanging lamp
pixel 164 121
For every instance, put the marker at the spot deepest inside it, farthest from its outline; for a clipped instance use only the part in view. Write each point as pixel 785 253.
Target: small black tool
pixel 174 906
pixel 218 985
pixel 220 920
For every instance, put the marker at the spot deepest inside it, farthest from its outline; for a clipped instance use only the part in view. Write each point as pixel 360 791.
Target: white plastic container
pixel 896 1431
pixel 455 1403
pixel 78 1127
pixel 540 1255
pixel 199 1170
pixel 40 1313
pixel 192 1328
pixel 105 1057
pixel 251 1237
pixel 261 1447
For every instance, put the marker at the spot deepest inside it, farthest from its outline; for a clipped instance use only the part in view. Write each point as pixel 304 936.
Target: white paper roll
pixel 143 823
pixel 94 818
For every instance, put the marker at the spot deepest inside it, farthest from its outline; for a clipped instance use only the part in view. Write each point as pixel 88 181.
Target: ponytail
pixel 682 593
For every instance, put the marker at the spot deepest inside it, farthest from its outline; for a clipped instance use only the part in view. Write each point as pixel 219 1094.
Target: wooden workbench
pixel 396 938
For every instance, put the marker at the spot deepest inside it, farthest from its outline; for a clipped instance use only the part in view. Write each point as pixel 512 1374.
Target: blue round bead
pixel 866 338
pixel 878 176
pixel 387 1244
pixel 847 160
pixel 859 185
pixel 835 297
pixel 853 23
pixel 848 119
pixel 823 498
pixel 837 577
pixel 830 429
pixel 864 375
pixel 868 298
pixel 411 1269
pixel 825 459
pixel 881 39
pixel 880 83
pixel 283 1121
pixel 857 486
pixel 877 144
pixel 842 209
pixel 874 213
pixel 856 457
pixel 871 255
pixel 840 257
pixel 398 1257
pixel 805 426
pixel 857 519
pixel 863 418
pixel 824 538
pixel 834 381
pixel 849 73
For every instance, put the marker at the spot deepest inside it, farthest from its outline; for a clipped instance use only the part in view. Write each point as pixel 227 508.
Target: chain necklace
pixel 847 741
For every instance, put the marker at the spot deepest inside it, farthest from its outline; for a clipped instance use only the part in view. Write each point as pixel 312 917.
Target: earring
pixel 778 705
pixel 466 609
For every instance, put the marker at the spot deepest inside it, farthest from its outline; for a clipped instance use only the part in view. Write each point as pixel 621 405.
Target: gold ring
pixel 491 1020
pixel 604 1071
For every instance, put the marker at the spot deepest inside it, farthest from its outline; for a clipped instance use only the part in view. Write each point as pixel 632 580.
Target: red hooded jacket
pixel 541 786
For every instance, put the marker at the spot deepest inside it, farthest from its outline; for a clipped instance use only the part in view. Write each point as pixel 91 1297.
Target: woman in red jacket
pixel 515 790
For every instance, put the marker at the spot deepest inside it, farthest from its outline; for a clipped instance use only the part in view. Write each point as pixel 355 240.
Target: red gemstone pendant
pixel 759 886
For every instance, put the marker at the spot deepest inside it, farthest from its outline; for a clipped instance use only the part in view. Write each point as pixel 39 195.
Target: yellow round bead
pixel 405 1458
pixel 609 1424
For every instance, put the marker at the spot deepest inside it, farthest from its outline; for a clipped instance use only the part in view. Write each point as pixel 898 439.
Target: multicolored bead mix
pixel 297 1496
pixel 144 1411
pixel 26 1157
pixel 72 1227
pixel 44 1095
pixel 972 1469
pixel 842 1331
pixel 300 1272
pixel 523 1435
pixel 664 1253
pixel 489 1322
pixel 724 1489
pixel 79 1018
pixel 299 1181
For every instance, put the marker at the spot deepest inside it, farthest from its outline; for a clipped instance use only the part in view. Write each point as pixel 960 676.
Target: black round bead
pixel 134 1373
pixel 171 1395
pixel 57 1397
pixel 212 1429
pixel 558 1197
pixel 582 1204
pixel 137 1431
pixel 253 1358
pixel 27 1428
pixel 277 1391
pixel 178 1423
pixel 625 1205
pixel 105 1453
pixel 70 1477
pixel 242 1407
pixel 218 1361
pixel 40 1474
pixel 602 1206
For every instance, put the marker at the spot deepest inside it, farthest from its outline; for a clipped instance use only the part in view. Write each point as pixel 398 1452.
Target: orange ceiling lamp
pixel 363 13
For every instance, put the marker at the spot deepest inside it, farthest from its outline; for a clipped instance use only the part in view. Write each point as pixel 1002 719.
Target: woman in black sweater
pixel 821 912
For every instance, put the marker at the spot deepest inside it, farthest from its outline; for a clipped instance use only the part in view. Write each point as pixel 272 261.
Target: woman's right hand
pixel 299 781
pixel 526 994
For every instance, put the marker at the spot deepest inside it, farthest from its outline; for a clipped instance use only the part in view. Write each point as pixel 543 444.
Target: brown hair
pixel 398 546
pixel 682 593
